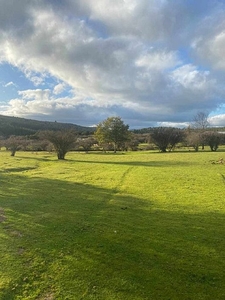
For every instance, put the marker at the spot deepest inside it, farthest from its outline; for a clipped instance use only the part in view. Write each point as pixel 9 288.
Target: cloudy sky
pixel 151 62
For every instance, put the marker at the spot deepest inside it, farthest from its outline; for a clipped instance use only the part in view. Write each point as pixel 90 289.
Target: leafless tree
pixel 200 123
pixel 212 139
pixel 166 138
pixel 14 143
pixel 200 120
pixel 62 140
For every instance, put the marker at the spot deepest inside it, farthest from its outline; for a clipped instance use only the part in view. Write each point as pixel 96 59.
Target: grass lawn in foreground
pixel 140 225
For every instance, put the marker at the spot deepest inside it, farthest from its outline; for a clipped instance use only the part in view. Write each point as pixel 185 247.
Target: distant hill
pixel 21 126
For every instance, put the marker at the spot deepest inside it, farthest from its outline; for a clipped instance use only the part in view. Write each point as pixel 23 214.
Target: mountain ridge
pixel 10 125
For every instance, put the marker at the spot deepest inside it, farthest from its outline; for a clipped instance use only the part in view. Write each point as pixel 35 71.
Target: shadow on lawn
pixel 150 163
pixel 19 169
pixel 77 241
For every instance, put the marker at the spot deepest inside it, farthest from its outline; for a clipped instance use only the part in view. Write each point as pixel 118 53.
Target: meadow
pixel 135 225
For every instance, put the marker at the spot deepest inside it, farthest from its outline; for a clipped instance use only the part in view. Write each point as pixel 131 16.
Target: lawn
pixel 140 225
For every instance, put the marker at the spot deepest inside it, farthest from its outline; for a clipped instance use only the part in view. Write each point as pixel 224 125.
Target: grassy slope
pixel 132 226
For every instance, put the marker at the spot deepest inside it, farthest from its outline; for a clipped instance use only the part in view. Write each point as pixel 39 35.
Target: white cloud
pixel 191 78
pixel 173 124
pixel 59 88
pixel 158 60
pixel 35 94
pixel 218 120
pixel 10 84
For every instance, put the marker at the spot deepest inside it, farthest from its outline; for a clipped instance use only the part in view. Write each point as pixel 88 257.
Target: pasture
pixel 129 226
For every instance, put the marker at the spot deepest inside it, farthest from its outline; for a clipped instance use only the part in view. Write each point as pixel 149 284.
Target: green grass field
pixel 141 225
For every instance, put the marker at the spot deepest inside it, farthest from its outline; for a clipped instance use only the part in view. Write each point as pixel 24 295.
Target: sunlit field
pixel 136 225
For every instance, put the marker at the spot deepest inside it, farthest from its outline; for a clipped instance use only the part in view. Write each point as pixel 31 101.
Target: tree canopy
pixel 112 130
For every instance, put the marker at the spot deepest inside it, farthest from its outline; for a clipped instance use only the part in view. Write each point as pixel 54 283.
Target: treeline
pixel 113 135
pixel 23 127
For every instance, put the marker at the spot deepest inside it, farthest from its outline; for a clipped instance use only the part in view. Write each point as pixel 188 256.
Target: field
pixel 141 225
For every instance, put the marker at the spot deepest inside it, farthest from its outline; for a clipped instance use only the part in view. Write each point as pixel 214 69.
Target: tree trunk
pixel 196 148
pixel 61 155
pixel 115 148
pixel 13 153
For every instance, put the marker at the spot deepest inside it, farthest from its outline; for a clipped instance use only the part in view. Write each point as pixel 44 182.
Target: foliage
pixel 62 140
pixel 166 137
pixel 112 130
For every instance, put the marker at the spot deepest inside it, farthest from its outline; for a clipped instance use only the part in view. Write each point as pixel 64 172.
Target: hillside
pixel 21 126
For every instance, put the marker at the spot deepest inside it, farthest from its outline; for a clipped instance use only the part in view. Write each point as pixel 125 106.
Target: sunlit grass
pixel 141 225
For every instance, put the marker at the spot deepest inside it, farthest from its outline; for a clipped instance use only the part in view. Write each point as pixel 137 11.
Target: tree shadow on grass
pixel 77 241
pixel 150 163
pixel 19 169
pixel 142 164
pixel 44 158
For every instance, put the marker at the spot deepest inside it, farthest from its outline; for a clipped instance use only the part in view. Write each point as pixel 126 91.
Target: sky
pixel 150 62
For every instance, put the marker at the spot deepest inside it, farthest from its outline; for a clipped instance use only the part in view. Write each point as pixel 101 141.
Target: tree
pixel 62 140
pixel 176 136
pixel 193 140
pixel 166 137
pixel 200 123
pixel 133 143
pixel 112 130
pixel 14 143
pixel 212 139
pixel 86 143
pixel 201 120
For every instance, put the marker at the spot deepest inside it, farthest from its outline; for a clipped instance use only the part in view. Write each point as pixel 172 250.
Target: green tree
pixel 62 140
pixel 112 130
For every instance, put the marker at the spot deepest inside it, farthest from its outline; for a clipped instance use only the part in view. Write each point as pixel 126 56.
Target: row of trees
pixel 110 133
pixel 166 138
pixel 113 134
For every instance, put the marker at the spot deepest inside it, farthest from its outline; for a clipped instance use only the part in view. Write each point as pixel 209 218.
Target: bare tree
pixel 166 137
pixel 212 139
pixel 200 120
pixel 14 143
pixel 86 143
pixel 62 140
pixel 193 140
pixel 200 123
